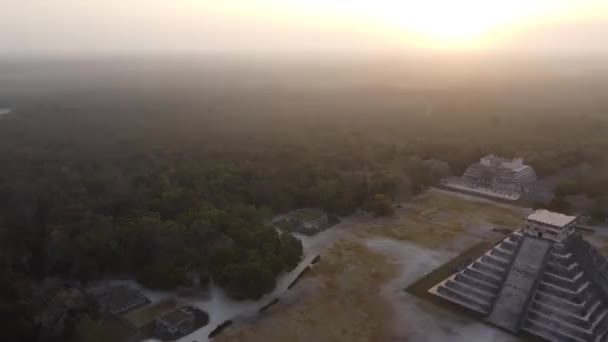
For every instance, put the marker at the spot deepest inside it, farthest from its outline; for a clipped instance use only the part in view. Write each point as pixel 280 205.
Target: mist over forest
pixel 154 168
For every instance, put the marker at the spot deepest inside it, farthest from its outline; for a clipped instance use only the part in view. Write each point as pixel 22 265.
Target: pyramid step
pixel 477 283
pixel 508 245
pixel 561 314
pixel 586 321
pixel 571 283
pixel 572 266
pixel 463 299
pixel 563 264
pixel 482 276
pixel 600 320
pixel 513 238
pixel 584 332
pixel 562 303
pixel 601 329
pixel 556 268
pixel 493 260
pixel 571 278
pixel 573 295
pixel 550 333
pixel 596 309
pixel 563 270
pixel 502 253
pixel 469 290
pixel 489 269
pixel 505 261
pixel 561 256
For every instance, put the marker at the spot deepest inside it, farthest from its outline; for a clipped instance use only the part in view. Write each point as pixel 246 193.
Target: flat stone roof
pixel 551 218
pixel 519 168
pixel 175 317
pixel 307 214
pixel 118 298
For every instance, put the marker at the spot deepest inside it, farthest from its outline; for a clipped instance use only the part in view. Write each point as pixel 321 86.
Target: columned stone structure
pixel 495 170
pixel 493 176
pixel 543 279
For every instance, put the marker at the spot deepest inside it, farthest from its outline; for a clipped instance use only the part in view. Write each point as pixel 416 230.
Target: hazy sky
pixel 47 27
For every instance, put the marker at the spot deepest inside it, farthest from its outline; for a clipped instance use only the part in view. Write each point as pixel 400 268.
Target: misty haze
pixel 303 171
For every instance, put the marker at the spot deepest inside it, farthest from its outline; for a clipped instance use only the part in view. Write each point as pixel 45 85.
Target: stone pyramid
pixel 544 279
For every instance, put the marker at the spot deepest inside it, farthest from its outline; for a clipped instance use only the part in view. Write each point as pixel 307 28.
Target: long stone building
pixel 543 279
pixel 495 176
pixel 492 169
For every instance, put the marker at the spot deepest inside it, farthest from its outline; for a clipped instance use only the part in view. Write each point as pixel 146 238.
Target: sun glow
pixel 449 23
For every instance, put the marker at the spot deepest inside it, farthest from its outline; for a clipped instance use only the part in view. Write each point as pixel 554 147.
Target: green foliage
pixel 599 212
pixel 246 278
pixel 161 274
pixel 380 205
pixel 560 205
pixel 249 271
pixel 568 188
pixel 538 205
pixel 419 174
pixel 18 324
pixel 87 193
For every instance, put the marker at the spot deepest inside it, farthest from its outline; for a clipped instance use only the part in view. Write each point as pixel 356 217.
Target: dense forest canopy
pixel 155 170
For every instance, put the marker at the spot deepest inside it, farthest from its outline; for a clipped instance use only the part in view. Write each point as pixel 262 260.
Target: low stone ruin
pixel 305 221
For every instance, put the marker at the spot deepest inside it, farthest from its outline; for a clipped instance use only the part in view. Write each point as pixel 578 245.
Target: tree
pixel 161 275
pixel 560 205
pixel 419 174
pixel 568 188
pixel 19 325
pixel 599 212
pixel 538 205
pixel 380 205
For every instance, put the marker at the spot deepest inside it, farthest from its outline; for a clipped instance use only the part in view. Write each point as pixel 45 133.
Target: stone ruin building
pixel 496 170
pixel 500 176
pixel 306 221
pixel 119 299
pixel 179 322
pixel 544 279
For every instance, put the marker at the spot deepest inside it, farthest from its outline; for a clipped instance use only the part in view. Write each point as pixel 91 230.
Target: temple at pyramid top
pixel 549 225
pixel 543 279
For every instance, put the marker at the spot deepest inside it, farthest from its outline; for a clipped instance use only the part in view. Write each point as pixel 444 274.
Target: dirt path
pixel 338 301
pixel 356 291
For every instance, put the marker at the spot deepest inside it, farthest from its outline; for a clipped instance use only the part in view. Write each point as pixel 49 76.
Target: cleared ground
pixel 355 293
pixel 110 328
pixel 143 316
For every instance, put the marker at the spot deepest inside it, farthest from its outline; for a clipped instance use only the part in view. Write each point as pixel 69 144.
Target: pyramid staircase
pixel 556 291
